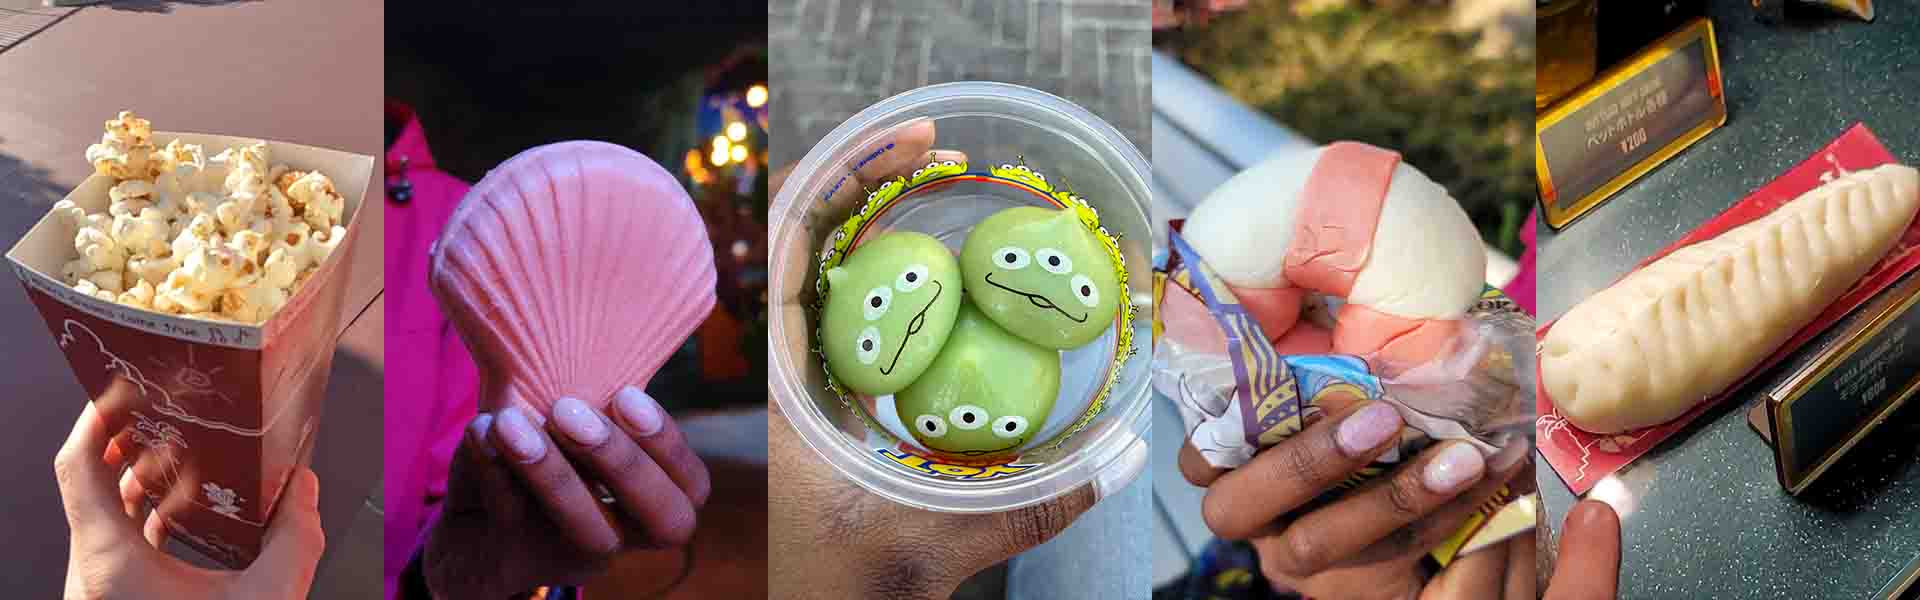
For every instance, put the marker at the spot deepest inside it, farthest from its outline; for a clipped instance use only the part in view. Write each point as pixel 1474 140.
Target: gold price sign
pixel 1627 122
pixel 1850 386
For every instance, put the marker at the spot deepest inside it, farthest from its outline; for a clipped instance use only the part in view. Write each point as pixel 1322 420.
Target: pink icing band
pixel 1276 309
pixel 1339 209
pixel 1386 340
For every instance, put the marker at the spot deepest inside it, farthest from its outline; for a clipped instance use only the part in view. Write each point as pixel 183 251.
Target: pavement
pixel 831 58
pixel 21 19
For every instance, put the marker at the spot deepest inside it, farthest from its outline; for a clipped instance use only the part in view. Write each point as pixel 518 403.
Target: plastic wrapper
pixel 1240 390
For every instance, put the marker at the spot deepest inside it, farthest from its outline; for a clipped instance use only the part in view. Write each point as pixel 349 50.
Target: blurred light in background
pixel 739 154
pixel 757 96
pixel 719 156
pixel 696 165
pixel 736 131
pixel 720 144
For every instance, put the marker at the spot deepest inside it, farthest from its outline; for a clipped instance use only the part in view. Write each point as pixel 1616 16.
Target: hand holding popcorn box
pixel 195 283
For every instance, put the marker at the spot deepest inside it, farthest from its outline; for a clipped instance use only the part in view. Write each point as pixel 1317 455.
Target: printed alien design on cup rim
pixel 1019 171
pixel 936 170
pixel 871 345
pixel 1040 274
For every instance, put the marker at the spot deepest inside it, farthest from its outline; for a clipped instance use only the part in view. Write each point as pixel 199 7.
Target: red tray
pixel 1582 459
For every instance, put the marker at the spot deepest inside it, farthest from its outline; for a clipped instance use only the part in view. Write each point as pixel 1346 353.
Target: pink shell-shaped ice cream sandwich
pixel 573 269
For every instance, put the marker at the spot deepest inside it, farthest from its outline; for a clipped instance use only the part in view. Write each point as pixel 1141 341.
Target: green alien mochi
pixel 1041 275
pixel 889 309
pixel 988 392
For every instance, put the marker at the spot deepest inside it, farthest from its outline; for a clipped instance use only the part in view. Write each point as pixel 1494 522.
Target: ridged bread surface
pixel 1686 326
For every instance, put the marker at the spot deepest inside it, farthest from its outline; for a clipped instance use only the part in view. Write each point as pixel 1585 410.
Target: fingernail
pixel 523 439
pixel 1368 428
pixel 1592 513
pixel 1457 464
pixel 477 431
pixel 578 421
pixel 640 411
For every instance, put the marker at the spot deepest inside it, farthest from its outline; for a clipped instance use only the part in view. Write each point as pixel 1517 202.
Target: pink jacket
pixel 431 382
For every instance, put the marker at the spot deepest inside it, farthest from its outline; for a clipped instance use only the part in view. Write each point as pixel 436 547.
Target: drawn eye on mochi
pixel 1015 258
pixel 1039 273
pixel 888 310
pixel 1009 429
pixel 986 393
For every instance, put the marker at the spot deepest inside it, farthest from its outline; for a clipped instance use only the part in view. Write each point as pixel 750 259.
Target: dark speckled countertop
pixel 1705 517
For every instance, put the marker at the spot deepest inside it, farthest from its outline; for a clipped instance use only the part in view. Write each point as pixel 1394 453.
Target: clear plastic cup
pixel 994 124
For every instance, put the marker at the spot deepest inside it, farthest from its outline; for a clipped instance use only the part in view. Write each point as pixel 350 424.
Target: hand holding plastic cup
pixel 995 130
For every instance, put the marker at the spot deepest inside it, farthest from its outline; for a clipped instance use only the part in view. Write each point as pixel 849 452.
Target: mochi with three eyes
pixel 889 309
pixel 987 393
pixel 1041 275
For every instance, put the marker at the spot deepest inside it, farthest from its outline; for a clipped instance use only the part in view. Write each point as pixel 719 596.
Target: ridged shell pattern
pixel 1688 325
pixel 573 269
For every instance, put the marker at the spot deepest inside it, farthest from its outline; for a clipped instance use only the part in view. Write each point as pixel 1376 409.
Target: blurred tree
pixel 1397 74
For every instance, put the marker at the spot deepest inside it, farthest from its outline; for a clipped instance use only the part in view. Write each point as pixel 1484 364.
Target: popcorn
pixel 182 169
pixel 314 198
pixel 221 238
pixel 324 242
pixel 234 215
pixel 129 197
pixel 277 210
pixel 179 295
pixel 183 165
pixel 252 303
pixel 245 183
pixel 139 296
pixel 71 213
pixel 153 270
pixel 99 248
pixel 110 281
pixel 145 234
pixel 251 244
pixel 293 234
pixel 87 287
pixel 124 149
pixel 252 158
pixel 130 129
pixel 198 234
pixel 200 202
pixel 281 268
pixel 213 269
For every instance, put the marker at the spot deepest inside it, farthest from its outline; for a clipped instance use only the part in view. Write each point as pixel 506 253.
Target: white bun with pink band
pixel 1348 220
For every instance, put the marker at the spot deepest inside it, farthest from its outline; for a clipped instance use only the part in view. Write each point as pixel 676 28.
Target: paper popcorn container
pixel 213 416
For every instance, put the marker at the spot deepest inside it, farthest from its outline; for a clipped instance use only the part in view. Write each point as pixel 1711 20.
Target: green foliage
pixel 1392 74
